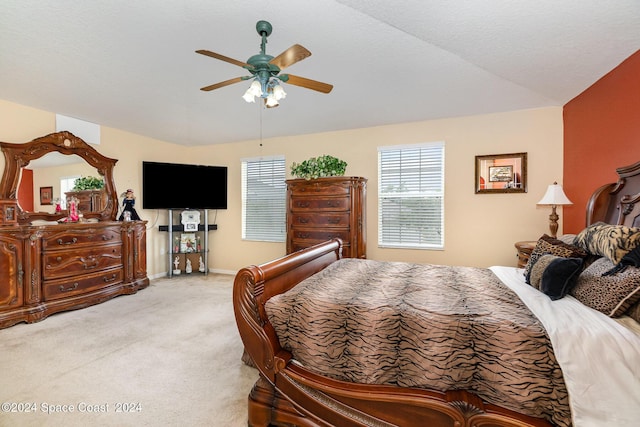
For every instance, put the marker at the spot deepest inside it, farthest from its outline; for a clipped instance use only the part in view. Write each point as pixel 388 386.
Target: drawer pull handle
pixel 303 235
pixel 333 203
pixel 74 240
pixel 333 221
pixel 71 288
pixel 303 204
pixel 303 220
pixel 105 237
pixel 107 279
pixel 87 265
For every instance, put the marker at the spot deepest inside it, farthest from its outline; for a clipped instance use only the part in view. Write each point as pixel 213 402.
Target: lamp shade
pixel 555 196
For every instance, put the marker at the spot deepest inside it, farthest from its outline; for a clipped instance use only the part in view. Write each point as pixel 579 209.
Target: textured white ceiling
pixel 131 64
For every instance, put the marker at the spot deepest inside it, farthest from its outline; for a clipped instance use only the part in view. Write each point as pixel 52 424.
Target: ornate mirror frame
pixel 501 173
pixel 18 156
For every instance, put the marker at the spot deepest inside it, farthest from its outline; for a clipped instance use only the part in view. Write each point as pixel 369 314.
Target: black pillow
pixel 555 276
pixel 632 258
pixel 549 245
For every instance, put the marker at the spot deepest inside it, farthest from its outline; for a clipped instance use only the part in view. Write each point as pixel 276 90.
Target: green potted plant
pixel 88 183
pixel 318 167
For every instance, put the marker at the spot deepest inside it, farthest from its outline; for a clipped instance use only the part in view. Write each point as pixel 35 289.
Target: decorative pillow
pixel 611 241
pixel 611 295
pixel 555 276
pixel 631 258
pixel 567 238
pixel 634 312
pixel 548 245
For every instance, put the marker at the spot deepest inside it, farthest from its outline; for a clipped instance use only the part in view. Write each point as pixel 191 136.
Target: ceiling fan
pixel 265 71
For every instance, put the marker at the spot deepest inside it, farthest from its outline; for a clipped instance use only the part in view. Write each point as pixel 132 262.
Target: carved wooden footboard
pixel 288 394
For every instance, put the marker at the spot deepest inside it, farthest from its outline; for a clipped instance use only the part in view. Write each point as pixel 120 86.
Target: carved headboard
pixel 619 202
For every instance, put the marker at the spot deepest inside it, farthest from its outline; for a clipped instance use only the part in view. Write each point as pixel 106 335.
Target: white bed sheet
pixel 599 357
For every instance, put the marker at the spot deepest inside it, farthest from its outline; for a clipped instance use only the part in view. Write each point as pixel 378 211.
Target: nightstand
pixel 524 248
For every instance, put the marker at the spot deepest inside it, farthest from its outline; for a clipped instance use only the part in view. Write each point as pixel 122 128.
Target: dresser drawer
pixel 320 235
pixel 70 262
pixel 63 288
pixel 319 187
pixel 82 237
pixel 311 219
pixel 298 204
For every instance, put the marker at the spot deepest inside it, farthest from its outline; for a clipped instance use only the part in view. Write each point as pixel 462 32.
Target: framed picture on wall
pixel 46 195
pixel 501 173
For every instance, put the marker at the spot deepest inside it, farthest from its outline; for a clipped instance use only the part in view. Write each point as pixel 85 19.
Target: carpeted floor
pixel 166 356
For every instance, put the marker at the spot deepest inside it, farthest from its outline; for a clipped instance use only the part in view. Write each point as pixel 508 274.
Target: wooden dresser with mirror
pixel 47 264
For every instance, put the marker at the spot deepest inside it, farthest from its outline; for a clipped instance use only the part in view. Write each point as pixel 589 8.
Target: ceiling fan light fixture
pixel 255 90
pixel 271 101
pixel 265 70
pixel 278 92
pixel 248 96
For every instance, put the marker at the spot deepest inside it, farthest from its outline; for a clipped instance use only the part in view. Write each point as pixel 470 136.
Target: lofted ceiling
pixel 132 64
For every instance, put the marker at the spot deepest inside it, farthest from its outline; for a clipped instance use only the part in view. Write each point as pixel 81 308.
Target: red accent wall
pixel 601 133
pixel 25 190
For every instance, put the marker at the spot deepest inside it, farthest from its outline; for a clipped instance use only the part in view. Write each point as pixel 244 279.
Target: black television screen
pixel 182 186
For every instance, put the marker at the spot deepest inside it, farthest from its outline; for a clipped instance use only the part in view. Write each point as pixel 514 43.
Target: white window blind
pixel 411 196
pixel 263 199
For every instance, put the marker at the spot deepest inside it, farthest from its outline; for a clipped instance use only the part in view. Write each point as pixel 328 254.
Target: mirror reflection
pixel 53 170
pixel 39 176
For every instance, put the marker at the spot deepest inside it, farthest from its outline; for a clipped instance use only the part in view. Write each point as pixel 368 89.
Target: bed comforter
pixel 425 326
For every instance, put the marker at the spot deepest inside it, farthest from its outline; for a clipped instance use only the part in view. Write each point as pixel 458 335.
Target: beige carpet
pixel 167 356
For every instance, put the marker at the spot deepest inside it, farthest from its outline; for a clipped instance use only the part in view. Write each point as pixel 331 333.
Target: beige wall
pixel 480 230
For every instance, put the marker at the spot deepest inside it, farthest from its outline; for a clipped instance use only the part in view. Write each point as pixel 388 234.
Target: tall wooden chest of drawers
pixel 323 208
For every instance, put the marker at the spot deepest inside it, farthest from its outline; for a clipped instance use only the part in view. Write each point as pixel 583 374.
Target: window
pixel 66 184
pixel 263 199
pixel 411 196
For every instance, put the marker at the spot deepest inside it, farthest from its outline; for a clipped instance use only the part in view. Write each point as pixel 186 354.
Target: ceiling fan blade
pixel 308 83
pixel 223 84
pixel 222 58
pixel 290 56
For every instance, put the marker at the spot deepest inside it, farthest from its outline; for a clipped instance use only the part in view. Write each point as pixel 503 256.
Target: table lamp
pixel 554 197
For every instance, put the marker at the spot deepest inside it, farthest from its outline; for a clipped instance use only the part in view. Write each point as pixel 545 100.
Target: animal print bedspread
pixel 429 326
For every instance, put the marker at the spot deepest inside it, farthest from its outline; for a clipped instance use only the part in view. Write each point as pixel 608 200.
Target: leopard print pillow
pixel 611 295
pixel 547 245
pixel 634 312
pixel 611 241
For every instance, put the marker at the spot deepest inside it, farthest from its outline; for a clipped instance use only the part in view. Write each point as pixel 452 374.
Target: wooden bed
pixel 287 394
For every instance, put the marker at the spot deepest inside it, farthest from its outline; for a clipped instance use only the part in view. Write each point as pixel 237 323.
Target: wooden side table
pixel 524 248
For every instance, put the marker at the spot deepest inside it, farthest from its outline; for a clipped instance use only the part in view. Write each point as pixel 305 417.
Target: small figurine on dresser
pixel 72 204
pixel 176 263
pixel 128 212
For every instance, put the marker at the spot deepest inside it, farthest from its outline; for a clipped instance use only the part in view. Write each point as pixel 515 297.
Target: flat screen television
pixel 183 186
